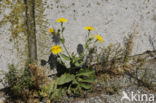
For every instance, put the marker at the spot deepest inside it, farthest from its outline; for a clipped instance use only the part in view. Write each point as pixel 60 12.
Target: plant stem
pixel 66 50
pixel 63 42
pixel 88 33
pixel 61 58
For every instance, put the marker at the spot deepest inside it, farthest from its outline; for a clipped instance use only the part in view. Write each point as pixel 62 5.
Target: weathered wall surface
pixel 113 19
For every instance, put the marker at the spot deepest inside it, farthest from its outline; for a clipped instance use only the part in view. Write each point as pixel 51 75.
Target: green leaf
pixel 75 59
pixel 62 40
pixel 57 94
pixel 77 90
pixel 65 57
pixel 77 64
pixel 87 80
pixel 86 45
pixel 75 82
pixel 65 78
pixel 52 87
pixel 61 63
pixel 85 85
pixel 69 90
pixel 86 73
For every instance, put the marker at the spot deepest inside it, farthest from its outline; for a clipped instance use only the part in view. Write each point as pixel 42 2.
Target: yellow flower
pixel 89 28
pixel 61 20
pixel 56 49
pixel 51 30
pixel 99 38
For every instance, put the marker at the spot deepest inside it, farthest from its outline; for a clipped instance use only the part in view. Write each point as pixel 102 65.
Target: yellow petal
pixel 89 28
pixel 56 49
pixel 99 38
pixel 62 20
pixel 51 30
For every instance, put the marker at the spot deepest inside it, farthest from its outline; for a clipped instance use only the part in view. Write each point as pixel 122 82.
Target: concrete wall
pixel 113 19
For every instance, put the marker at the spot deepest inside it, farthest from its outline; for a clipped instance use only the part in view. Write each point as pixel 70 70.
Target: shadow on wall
pixel 56 39
pixel 80 49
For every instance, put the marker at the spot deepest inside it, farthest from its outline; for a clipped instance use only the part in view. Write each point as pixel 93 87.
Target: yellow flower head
pixel 56 49
pixel 61 20
pixel 99 38
pixel 89 28
pixel 51 30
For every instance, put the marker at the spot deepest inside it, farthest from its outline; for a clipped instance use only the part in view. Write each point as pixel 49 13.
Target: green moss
pixel 17 16
pixel 17 20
